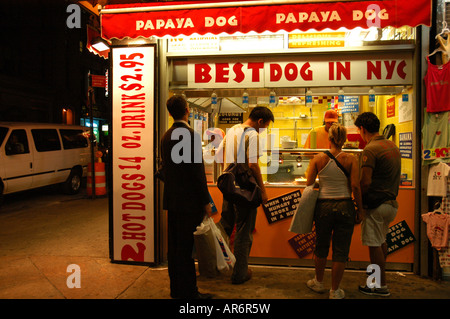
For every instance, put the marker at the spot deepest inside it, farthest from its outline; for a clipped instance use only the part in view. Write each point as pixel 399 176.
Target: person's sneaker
pixel 337 294
pixel 383 291
pixel 315 285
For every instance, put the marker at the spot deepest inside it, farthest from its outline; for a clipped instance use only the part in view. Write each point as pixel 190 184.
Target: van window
pixel 73 139
pixel 46 140
pixel 3 131
pixel 17 143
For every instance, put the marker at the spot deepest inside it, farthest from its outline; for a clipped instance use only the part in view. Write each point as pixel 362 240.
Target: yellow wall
pixel 286 110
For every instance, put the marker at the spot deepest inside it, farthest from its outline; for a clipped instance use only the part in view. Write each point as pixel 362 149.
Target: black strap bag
pixel 238 185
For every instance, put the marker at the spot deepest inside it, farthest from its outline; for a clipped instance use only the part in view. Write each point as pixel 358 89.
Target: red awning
pixel 206 17
pixel 92 35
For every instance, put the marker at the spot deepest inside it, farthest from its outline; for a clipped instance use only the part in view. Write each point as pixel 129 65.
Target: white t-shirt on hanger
pixel 437 180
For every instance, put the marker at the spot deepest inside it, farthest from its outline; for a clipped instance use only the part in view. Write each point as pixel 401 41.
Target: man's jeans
pixel 244 218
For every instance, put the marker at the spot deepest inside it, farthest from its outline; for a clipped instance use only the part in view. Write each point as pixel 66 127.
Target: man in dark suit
pixel 186 198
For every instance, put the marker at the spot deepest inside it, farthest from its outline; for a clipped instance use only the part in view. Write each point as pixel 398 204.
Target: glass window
pixel 73 139
pixel 46 140
pixel 17 143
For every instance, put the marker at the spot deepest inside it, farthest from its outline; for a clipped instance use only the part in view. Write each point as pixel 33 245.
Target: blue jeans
pixel 244 218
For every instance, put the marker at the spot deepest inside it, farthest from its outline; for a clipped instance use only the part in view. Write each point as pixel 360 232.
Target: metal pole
pixel 91 119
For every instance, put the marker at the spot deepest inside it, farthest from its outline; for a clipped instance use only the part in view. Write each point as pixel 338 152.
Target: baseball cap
pixel 331 116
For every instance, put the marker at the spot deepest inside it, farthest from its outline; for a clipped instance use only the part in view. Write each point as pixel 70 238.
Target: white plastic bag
pixel 302 221
pixel 205 246
pixel 225 258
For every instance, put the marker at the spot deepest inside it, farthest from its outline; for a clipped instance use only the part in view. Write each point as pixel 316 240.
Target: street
pixel 45 221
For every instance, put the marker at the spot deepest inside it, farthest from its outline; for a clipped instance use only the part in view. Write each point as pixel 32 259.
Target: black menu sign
pixel 281 207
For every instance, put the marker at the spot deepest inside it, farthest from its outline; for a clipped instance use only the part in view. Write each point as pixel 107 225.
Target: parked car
pixel 35 155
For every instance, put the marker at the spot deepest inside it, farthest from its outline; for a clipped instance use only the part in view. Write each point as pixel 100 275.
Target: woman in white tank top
pixel 335 214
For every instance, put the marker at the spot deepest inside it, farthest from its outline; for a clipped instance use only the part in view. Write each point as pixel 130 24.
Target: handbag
pixel 302 221
pixel 238 185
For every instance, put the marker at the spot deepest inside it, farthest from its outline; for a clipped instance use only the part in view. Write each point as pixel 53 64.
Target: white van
pixel 34 155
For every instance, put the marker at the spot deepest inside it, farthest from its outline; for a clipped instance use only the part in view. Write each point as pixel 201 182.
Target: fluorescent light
pixel 100 46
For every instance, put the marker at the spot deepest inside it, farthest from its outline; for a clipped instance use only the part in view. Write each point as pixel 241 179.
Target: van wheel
pixel 73 183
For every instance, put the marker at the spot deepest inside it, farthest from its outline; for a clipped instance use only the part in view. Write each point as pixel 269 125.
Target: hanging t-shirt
pixel 437 229
pixel 435 134
pixel 437 180
pixel 437 83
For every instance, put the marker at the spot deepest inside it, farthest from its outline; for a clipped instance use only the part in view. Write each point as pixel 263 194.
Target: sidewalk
pixel 39 242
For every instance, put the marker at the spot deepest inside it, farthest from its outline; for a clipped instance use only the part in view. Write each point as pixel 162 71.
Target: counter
pixel 271 239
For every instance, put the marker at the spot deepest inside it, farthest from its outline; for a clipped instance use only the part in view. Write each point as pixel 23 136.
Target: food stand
pixel 300 59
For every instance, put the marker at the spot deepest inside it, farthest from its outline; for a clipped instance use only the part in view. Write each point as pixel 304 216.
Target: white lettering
pixel 179 23
pixel 324 16
pixel 220 21
pixel 74 280
pixel 280 17
pixel 139 24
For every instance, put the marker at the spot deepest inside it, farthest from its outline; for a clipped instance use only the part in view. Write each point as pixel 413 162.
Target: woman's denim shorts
pixel 334 222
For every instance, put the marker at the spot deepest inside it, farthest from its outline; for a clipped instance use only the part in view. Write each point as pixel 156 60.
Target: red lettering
pixel 128 217
pixel 376 70
pixel 133 236
pixel 133 206
pixel 441 152
pixel 129 253
pixel 275 72
pixel 290 71
pixel 390 67
pixel 237 69
pixel 133 118
pixel 341 70
pixel 255 67
pixel 133 196
pixel 222 71
pixel 306 74
pixel 136 186
pixel 202 71
pixel 133 125
pixel 133 226
pixel 401 69
pixel 130 177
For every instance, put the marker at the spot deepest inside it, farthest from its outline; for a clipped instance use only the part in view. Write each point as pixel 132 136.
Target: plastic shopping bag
pixel 205 247
pixel 225 258
pixel 302 221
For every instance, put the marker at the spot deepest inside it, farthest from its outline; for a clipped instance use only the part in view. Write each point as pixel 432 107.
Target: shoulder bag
pixel 238 185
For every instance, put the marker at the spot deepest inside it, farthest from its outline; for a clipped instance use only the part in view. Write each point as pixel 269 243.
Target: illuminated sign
pixel 132 154
pixel 317 40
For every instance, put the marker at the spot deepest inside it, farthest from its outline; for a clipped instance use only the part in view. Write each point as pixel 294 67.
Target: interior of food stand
pixel 294 120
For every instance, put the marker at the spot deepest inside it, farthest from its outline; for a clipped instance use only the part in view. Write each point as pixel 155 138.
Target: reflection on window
pixel 17 143
pixel 73 139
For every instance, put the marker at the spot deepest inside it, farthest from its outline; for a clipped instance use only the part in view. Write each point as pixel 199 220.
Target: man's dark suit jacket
pixel 185 186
